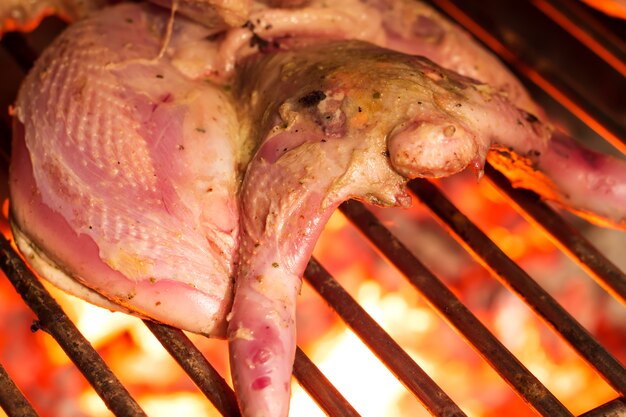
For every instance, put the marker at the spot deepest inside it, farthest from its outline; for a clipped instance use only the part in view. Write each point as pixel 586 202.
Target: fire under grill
pixel 573 60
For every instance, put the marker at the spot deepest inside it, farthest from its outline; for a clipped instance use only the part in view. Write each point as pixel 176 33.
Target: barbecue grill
pixel 573 60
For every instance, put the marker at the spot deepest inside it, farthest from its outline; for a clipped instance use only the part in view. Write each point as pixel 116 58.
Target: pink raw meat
pixel 133 187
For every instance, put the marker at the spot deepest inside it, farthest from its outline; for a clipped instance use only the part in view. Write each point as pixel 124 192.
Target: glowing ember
pixel 50 381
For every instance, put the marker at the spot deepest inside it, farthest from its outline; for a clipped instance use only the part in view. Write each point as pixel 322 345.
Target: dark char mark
pixel 311 99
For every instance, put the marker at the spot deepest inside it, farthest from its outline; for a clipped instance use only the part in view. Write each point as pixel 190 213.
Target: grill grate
pixel 53 320
pixel 596 113
pixel 11 398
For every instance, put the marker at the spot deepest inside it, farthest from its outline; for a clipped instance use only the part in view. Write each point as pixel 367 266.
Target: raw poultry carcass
pixel 154 164
pixel 133 168
pixel 335 121
pixel 24 15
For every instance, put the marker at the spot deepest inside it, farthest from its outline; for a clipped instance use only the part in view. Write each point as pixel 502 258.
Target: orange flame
pixel 162 388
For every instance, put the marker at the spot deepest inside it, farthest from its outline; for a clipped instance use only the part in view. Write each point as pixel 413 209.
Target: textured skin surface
pixel 137 162
pixel 336 121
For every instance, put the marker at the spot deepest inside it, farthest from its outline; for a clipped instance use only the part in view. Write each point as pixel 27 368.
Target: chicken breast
pixel 125 172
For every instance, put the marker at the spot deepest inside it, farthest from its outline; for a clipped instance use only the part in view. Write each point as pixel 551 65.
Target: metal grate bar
pixel 394 357
pixel 321 390
pixel 568 239
pixel 53 320
pixel 615 408
pixel 563 77
pixel 11 398
pixel 217 390
pixel 511 275
pixel 576 20
pixel 454 312
pixel 193 362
